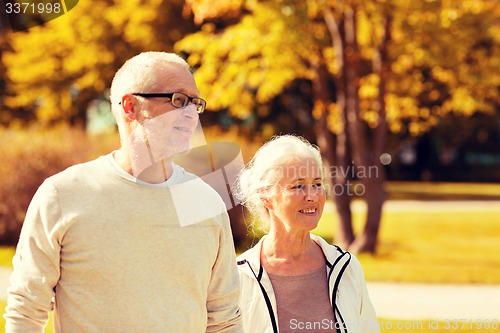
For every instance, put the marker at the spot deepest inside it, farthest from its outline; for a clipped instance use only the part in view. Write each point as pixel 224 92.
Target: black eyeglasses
pixel 178 100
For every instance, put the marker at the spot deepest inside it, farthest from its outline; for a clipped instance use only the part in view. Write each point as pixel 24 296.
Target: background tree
pixel 52 72
pixel 342 73
pixel 3 92
pixel 369 62
pixel 59 67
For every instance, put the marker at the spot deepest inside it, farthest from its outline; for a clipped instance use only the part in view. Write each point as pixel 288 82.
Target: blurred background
pixel 401 96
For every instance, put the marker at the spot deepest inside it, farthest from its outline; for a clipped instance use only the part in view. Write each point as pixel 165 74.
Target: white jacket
pixel 349 298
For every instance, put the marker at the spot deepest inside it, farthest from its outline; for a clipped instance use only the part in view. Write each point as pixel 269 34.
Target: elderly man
pixel 130 242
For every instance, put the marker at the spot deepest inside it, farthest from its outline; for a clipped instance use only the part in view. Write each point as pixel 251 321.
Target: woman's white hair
pixel 264 170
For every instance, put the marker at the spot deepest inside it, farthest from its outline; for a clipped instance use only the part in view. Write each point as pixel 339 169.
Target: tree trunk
pixel 238 226
pixel 344 235
pixel 322 98
pixel 374 184
pixel 356 132
pixel 357 137
pixel 352 140
pixel 341 192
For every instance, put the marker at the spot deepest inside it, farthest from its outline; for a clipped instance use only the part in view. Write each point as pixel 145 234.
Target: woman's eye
pixel 298 186
pixel 318 185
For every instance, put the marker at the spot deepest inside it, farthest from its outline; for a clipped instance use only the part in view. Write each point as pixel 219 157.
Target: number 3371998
pixel 484 324
pixel 32 8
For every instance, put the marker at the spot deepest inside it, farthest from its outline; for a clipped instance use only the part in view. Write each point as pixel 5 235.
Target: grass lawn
pixel 442 191
pixel 420 246
pixel 6 254
pixel 430 246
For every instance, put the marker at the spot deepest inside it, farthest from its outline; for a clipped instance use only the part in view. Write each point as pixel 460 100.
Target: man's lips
pixel 184 129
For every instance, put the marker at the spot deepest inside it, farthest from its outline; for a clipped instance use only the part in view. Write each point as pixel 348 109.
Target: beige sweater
pixel 119 255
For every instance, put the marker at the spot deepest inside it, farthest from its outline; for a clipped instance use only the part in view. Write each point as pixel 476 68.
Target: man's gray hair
pixel 139 73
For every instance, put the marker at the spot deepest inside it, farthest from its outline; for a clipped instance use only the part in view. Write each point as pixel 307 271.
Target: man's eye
pixel 180 100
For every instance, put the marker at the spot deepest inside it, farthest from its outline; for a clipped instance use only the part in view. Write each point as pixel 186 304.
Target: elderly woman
pixel 291 280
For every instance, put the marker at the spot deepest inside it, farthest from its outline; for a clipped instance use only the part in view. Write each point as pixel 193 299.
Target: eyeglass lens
pixel 180 100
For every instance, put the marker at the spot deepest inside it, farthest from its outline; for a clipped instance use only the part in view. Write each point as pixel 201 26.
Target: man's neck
pixel 157 173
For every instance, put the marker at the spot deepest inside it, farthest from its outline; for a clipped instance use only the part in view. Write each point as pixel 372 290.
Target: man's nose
pixel 191 112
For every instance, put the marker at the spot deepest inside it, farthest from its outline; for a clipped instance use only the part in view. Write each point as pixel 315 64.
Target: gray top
pixel 303 302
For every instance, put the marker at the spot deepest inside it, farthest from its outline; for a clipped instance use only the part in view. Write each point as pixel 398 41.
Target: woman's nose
pixel 311 194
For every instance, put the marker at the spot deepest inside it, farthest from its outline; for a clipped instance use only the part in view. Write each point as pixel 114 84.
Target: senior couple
pixel 131 242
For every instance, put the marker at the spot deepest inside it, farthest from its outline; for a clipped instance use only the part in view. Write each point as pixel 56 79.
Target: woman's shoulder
pixel 330 250
pixel 249 261
pixel 335 254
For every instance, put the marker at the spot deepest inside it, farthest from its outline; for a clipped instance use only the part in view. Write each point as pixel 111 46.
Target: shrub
pixel 29 156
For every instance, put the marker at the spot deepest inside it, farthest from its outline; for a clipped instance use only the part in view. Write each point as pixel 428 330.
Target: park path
pixel 428 206
pixel 435 301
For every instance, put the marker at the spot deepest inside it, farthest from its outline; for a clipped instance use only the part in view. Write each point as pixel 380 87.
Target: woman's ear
pixel 266 202
pixel 128 107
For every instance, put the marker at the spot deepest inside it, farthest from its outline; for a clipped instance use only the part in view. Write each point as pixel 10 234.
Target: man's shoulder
pixel 81 172
pixel 199 184
pixel 65 183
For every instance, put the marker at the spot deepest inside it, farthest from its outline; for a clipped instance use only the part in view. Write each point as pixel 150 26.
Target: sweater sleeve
pixel 36 265
pixel 223 292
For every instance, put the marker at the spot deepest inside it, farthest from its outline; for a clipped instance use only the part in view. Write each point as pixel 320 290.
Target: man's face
pixel 164 130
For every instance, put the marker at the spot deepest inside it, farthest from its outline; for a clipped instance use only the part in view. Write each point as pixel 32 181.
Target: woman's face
pixel 297 201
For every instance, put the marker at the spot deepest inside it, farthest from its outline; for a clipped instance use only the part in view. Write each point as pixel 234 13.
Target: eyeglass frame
pixel 170 95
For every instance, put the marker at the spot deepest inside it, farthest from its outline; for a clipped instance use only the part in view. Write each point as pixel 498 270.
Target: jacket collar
pixel 249 260
pixel 252 255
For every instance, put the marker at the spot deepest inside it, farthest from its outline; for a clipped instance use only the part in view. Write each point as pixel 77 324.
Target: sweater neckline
pixel 175 178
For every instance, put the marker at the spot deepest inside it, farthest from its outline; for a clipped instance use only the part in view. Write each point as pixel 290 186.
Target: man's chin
pixel 177 149
pixel 182 152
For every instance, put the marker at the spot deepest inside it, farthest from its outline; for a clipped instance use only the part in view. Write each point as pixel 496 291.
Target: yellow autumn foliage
pixel 60 66
pixel 443 55
pixel 248 63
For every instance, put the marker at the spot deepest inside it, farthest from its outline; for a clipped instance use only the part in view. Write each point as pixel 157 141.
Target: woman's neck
pixel 285 253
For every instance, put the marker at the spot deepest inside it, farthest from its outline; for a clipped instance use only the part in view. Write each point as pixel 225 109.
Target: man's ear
pixel 128 105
